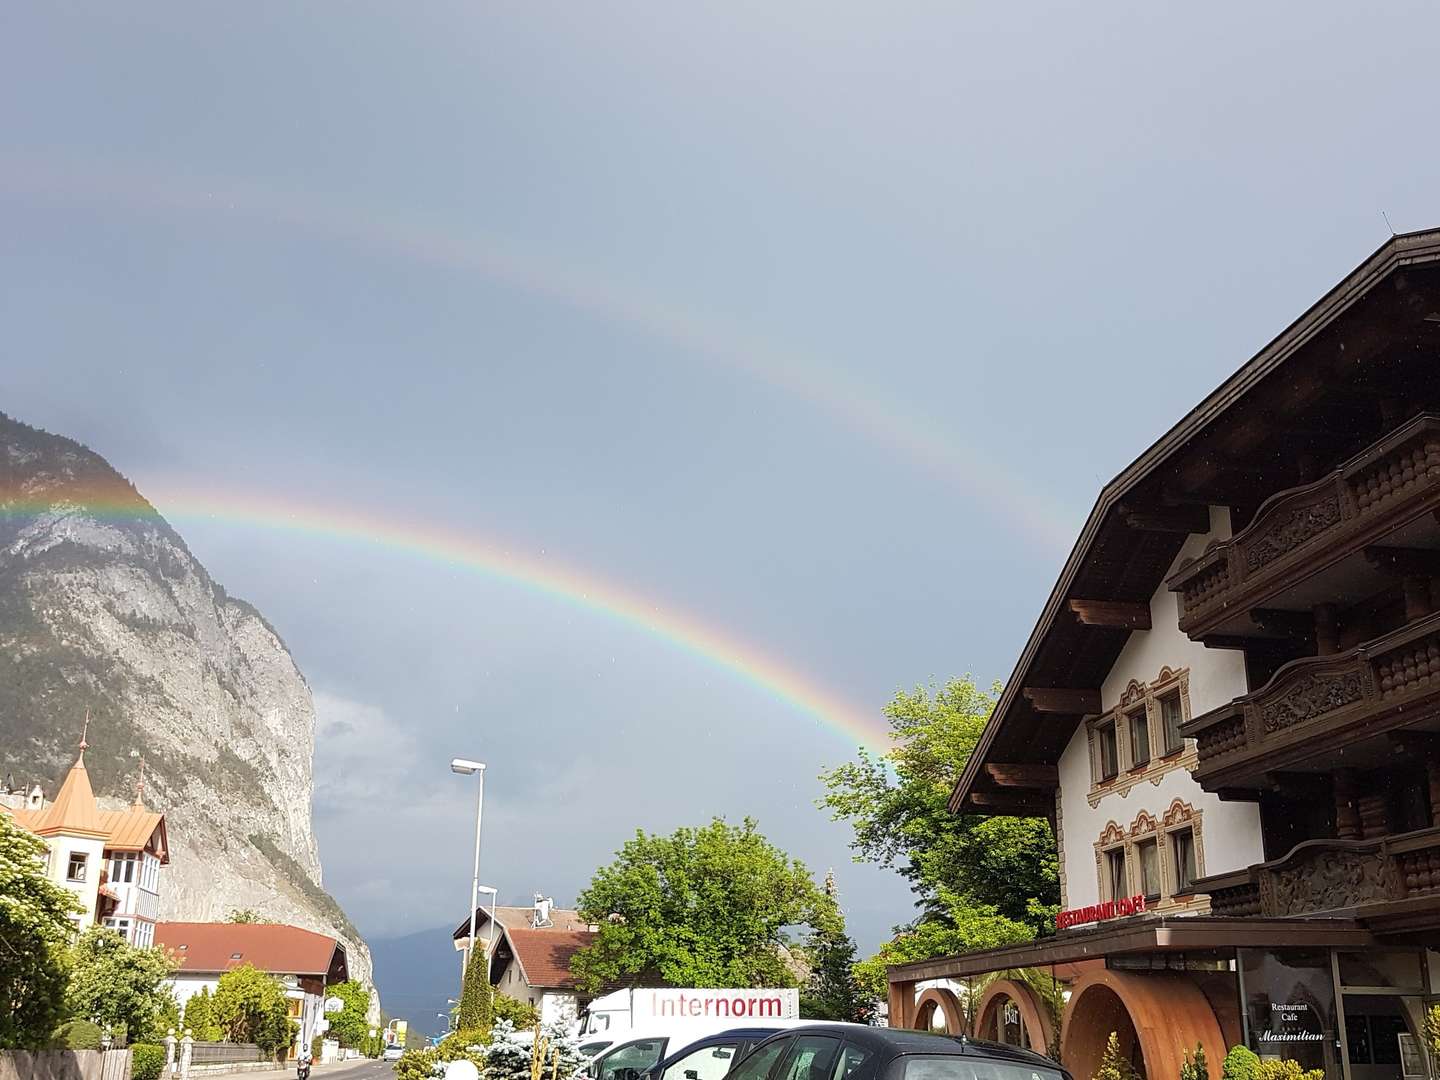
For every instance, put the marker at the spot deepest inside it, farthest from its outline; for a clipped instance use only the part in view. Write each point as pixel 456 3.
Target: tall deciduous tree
pixel 34 929
pixel 350 1027
pixel 249 1006
pixel 118 985
pixel 701 907
pixel 979 881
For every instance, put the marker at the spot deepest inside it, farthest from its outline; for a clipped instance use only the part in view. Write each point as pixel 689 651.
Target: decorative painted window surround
pixel 1138 697
pixel 1180 817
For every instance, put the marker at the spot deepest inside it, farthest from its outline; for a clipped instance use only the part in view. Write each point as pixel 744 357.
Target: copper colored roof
pixel 519 919
pixel 271 947
pixel 133 830
pixel 74 809
pixel 544 955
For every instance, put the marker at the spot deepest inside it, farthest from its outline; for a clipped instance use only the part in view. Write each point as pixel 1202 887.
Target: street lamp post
pixel 466 767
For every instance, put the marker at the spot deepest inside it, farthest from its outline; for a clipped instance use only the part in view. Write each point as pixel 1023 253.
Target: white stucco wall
pixel 1230 830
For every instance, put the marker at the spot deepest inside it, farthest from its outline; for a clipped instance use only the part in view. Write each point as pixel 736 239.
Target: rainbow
pixel 439 544
pixel 861 408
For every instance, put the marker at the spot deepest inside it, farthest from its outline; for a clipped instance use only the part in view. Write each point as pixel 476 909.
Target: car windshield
pixel 968 1067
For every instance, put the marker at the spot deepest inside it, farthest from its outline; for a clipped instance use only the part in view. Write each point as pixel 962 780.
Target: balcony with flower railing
pixel 1304 531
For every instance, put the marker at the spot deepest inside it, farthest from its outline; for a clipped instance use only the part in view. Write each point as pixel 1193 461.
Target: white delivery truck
pixel 614 1013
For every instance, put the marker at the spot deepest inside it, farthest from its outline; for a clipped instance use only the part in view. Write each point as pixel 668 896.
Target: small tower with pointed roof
pixel 110 859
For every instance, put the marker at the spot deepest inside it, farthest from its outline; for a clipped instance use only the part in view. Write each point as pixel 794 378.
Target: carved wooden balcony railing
pixel 1315 705
pixel 1332 876
pixel 1298 532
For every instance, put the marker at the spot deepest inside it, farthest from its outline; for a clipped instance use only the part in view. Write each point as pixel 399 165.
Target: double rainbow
pixel 439 544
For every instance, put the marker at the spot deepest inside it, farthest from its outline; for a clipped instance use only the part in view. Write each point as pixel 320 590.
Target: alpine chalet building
pixel 1230 711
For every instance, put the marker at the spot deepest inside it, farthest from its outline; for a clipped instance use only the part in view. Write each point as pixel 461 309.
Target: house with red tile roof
pixel 530 950
pixel 306 963
pixel 110 859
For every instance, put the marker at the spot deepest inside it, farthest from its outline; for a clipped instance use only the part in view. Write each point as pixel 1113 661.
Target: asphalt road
pixel 349 1070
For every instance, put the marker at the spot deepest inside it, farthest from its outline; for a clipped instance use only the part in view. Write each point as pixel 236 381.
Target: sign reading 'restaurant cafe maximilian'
pixel 1110 909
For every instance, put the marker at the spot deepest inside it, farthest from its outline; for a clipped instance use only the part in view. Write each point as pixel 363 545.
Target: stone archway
pixel 938 999
pixel 1157 1017
pixel 1035 1019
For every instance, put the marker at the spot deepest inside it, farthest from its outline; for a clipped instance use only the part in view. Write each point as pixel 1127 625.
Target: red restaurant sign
pixel 1111 909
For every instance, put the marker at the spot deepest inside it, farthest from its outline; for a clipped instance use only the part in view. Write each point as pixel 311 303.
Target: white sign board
pixel 334 1005
pixel 676 1004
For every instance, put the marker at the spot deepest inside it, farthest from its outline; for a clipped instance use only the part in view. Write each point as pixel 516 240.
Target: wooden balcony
pixel 1316 706
pixel 1382 878
pixel 1298 533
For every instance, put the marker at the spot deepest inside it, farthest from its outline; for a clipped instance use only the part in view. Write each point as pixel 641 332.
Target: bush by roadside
pixel 147 1061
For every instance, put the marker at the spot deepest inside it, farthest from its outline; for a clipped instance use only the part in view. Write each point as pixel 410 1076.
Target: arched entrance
pixel 937 1002
pixel 1011 1012
pixel 1157 1017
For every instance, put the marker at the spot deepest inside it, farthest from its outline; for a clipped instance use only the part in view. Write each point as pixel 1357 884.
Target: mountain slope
pixel 105 611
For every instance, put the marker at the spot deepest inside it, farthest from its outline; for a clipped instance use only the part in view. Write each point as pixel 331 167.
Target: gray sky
pixel 821 323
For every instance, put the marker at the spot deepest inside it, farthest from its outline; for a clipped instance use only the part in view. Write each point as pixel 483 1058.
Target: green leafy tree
pixel 351 1025
pixel 965 870
pixel 521 1014
pixel 35 929
pixel 249 1006
pixel 965 931
pixel 200 1017
pixel 474 1013
pixel 244 915
pixel 701 907
pixel 118 985
pixel 832 991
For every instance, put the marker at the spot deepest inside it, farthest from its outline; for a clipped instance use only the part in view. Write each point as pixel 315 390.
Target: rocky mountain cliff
pixel 103 609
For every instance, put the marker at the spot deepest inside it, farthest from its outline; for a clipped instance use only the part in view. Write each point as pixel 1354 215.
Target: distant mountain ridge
pixel 103 609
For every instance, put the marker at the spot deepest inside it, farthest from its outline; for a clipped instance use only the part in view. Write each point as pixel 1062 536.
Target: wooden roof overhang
pixel 1149 935
pixel 1355 365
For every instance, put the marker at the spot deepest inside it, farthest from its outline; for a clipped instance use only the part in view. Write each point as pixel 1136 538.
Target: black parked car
pixel 710 1057
pixel 855 1052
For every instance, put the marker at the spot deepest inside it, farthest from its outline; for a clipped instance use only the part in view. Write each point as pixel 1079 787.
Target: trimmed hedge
pixel 78 1035
pixel 147 1061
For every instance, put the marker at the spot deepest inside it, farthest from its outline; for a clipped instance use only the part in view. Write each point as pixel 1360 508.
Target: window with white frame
pixel 1147 854
pixel 1107 751
pixel 120 925
pixel 1116 884
pixel 122 867
pixel 76 868
pixel 1182 846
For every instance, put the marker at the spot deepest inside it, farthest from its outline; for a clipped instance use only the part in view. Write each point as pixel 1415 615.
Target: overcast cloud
pixel 820 322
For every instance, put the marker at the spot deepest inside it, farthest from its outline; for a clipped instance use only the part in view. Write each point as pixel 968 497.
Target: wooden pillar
pixel 1347 814
pixel 1432 767
pixel 1417 596
pixel 1374 810
pixel 1327 629
pixel 902 1004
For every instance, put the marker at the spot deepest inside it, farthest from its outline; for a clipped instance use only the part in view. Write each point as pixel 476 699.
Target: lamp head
pixel 466 767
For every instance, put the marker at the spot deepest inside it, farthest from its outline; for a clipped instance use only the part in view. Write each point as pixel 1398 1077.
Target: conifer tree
pixel 832 992
pixel 475 1013
pixel 1114 1065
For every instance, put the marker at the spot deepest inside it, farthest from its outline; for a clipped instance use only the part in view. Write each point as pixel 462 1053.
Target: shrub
pixel 1241 1063
pixel 78 1035
pixel 1195 1068
pixel 147 1061
pixel 520 1013
pixel 420 1064
pixel 1287 1069
pixel 1114 1066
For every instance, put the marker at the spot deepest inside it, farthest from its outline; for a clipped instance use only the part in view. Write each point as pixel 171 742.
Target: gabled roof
pixel 519 918
pixel 1350 326
pixel 136 829
pixel 544 955
pixel 271 947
